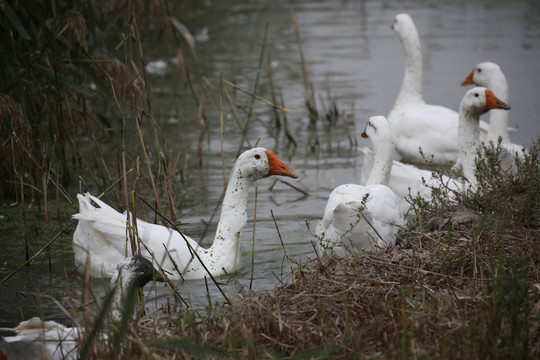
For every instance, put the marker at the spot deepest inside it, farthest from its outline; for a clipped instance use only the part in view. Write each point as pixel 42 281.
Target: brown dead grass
pixel 449 291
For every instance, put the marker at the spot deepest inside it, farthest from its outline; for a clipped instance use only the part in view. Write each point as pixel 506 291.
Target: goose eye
pixel 479 70
pixel 257 156
pixel 476 95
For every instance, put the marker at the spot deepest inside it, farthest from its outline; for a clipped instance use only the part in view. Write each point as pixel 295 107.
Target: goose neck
pixel 233 215
pixel 499 85
pixel 382 163
pixel 411 88
pixel 123 284
pixel 498 126
pixel 468 142
pixel 498 119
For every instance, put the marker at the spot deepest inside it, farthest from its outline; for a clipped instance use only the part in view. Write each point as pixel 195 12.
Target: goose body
pixel 489 75
pixel 101 232
pixel 37 339
pixel 475 103
pixel 417 124
pixel 407 180
pixel 363 217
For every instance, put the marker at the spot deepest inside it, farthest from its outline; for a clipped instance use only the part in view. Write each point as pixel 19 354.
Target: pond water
pixel 352 54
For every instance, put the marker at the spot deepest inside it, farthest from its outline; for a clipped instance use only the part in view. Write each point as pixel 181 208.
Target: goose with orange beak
pixel 475 103
pixel 100 237
pixel 490 75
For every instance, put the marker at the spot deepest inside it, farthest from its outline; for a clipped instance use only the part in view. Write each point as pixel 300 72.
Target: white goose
pixel 364 217
pixel 475 103
pixel 416 124
pixel 101 232
pixel 38 339
pixel 408 180
pixel 490 75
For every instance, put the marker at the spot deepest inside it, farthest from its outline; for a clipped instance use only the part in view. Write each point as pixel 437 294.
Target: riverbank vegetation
pixel 461 283
pixel 73 73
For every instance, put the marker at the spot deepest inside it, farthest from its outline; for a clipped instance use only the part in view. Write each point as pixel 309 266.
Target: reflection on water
pixel 351 54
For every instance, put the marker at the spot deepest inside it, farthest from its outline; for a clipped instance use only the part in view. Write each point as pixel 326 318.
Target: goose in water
pixel 101 232
pixel 364 217
pixel 38 339
pixel 475 103
pixel 416 124
pixel 490 75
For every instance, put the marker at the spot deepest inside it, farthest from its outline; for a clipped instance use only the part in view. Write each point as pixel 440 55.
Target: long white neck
pixel 225 251
pixel 382 162
pixel 468 143
pixel 498 120
pixel 120 292
pixel 124 283
pixel 411 88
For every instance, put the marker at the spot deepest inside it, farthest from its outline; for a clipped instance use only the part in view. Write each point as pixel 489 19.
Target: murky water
pixel 350 49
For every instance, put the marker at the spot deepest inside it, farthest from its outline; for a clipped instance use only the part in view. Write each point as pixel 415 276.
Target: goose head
pixel 378 130
pixel 258 163
pixel 403 24
pixel 480 100
pixel 134 272
pixel 131 273
pixel 489 75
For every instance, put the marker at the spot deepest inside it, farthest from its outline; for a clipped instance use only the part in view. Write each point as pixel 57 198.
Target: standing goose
pixel 416 124
pixel 490 75
pixel 38 339
pixel 475 103
pixel 364 217
pixel 101 232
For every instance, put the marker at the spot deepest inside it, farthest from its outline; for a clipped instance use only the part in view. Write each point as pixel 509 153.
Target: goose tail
pixel 87 210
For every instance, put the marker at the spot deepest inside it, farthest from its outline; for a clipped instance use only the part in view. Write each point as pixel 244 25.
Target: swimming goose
pixel 101 232
pixel 490 75
pixel 364 217
pixel 38 339
pixel 475 102
pixel 416 124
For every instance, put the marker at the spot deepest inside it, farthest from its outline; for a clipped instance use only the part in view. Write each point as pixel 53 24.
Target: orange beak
pixel 492 102
pixel 276 167
pixel 469 79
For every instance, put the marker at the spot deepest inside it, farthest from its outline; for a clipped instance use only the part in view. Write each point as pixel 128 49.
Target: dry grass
pixel 432 296
pixel 449 291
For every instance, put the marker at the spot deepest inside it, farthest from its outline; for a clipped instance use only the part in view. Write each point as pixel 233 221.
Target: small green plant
pixel 507 313
pixel 512 194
